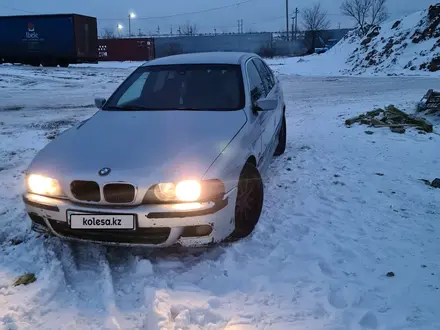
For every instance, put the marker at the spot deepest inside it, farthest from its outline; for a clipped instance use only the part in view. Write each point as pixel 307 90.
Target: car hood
pixel 163 145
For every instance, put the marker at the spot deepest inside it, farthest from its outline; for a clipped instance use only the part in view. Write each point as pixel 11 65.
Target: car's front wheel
pixel 250 196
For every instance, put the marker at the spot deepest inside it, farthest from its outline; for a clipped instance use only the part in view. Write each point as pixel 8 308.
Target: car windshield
pixel 181 87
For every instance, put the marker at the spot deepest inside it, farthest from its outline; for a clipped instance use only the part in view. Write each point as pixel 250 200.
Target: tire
pixel 282 137
pixel 250 197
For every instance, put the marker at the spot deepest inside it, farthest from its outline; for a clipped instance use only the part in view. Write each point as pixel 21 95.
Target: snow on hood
pixel 165 145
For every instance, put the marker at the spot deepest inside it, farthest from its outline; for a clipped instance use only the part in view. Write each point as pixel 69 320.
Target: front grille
pixel 119 193
pixel 87 191
pixel 139 236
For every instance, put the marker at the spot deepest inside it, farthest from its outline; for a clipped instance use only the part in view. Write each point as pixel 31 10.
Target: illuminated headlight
pixel 185 191
pixel 43 185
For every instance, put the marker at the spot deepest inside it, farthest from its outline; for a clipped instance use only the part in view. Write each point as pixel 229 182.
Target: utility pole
pixel 241 25
pixel 339 25
pixel 215 31
pixel 296 23
pixel 158 30
pixel 171 30
pixel 287 19
pixel 293 28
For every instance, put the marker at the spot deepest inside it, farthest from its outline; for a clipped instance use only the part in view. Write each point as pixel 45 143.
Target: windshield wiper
pixel 140 107
pixel 186 108
pixel 127 107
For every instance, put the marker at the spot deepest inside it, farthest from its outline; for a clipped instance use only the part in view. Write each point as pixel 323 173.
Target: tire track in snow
pixel 129 276
pixel 89 281
pixel 140 275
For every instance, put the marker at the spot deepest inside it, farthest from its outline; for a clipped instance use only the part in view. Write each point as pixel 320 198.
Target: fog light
pixel 187 206
pixel 197 231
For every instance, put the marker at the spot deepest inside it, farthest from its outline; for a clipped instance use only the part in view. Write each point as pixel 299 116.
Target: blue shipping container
pixel 54 39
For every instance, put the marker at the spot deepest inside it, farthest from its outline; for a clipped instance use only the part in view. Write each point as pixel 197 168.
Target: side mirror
pixel 99 102
pixel 266 104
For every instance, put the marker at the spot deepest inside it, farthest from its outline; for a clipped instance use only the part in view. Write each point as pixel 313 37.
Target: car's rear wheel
pixel 282 137
pixel 250 196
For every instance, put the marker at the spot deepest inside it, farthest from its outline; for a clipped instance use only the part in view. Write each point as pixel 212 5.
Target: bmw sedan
pixel 173 157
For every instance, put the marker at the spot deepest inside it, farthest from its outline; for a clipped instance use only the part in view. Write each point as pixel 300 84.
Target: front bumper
pixel 156 225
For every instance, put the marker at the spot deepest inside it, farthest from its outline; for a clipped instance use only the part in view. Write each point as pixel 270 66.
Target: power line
pixel 185 14
pixel 276 18
pixel 17 9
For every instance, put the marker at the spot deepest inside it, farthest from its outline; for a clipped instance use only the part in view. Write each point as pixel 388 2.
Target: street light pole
pixel 130 16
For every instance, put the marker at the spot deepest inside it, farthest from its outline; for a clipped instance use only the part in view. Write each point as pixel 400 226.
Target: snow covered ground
pixel 342 209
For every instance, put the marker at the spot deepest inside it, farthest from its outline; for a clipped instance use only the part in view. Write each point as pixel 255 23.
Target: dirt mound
pixel 409 44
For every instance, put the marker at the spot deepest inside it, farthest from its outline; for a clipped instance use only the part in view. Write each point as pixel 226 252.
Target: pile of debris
pixel 393 118
pixel 430 102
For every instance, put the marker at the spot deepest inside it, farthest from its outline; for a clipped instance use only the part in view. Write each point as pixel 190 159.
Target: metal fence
pixel 288 48
pixel 246 42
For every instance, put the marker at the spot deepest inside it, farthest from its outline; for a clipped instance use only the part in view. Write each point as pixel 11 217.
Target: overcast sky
pixel 257 15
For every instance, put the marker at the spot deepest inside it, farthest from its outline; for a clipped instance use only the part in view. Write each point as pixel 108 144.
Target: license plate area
pixel 101 221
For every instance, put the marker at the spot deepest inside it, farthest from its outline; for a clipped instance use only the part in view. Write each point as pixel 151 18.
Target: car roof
pixel 202 58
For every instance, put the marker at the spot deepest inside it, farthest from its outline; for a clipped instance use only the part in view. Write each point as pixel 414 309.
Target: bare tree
pixel 108 33
pixel 366 13
pixel 315 19
pixel 188 29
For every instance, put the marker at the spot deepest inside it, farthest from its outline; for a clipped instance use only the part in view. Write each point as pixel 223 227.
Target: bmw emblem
pixel 104 171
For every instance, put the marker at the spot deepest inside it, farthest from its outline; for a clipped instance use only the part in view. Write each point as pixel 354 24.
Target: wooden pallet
pixel 431 101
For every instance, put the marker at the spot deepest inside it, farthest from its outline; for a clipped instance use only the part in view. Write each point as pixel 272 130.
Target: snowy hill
pixel 412 43
pixel 409 46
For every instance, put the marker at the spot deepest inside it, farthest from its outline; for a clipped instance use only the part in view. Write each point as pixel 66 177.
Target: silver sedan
pixel 173 157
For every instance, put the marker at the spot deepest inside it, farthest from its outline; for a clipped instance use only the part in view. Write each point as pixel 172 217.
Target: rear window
pixel 181 87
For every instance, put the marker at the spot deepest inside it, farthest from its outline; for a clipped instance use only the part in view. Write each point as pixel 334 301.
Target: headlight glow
pixel 184 191
pixel 43 185
pixel 188 191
